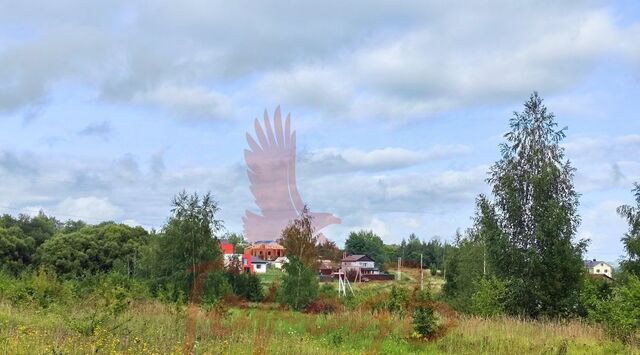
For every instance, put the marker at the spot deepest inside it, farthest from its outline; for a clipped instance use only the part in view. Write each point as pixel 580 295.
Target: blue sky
pixel 108 110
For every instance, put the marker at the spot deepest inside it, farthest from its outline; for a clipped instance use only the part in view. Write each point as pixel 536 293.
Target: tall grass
pixel 156 328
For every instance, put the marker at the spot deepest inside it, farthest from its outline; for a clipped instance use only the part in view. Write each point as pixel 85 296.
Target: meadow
pixel 156 328
pixel 153 327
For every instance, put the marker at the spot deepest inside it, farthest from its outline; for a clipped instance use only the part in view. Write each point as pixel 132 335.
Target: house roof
pixel 257 260
pixel 594 262
pixel 270 244
pixel 282 259
pixel 357 257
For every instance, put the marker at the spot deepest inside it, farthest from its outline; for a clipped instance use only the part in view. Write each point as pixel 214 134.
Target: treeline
pixel 165 264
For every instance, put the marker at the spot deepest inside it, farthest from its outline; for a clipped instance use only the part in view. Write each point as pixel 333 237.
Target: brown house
pixel 266 249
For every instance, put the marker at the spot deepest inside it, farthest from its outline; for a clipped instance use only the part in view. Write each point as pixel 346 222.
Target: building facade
pixel 596 267
pixel 267 250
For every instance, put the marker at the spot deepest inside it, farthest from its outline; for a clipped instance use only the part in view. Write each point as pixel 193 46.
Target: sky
pixel 108 109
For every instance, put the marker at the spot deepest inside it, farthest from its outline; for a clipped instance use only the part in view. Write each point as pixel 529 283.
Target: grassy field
pixel 154 328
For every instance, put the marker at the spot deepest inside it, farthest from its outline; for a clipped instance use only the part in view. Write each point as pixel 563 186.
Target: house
pixel 259 265
pixel 228 255
pixel 362 263
pixel 266 249
pixel 279 262
pixel 326 267
pixel 596 267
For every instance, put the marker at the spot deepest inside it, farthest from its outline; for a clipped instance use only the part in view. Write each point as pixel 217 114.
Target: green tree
pixel 299 240
pixel 329 251
pixel 464 265
pixel 299 285
pixel 187 249
pixel 631 239
pixel 366 242
pixel 489 297
pixel 16 249
pixel 93 249
pixel 535 209
pixel 237 240
pixel 620 313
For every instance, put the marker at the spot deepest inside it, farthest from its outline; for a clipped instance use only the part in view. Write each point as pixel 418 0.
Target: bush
pixel 299 285
pixel 108 302
pixel 620 314
pixel 245 286
pixel 41 289
pixel 398 301
pixel 425 321
pixel 489 297
pixel 592 293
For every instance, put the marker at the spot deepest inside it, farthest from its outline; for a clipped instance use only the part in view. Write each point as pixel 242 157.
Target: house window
pixel 258 266
pixel 597 270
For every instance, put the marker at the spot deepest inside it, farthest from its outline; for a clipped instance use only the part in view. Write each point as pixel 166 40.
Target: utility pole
pixel 399 271
pixel 484 258
pixel 444 260
pixel 421 274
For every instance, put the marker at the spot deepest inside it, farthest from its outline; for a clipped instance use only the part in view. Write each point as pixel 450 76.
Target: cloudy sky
pixel 107 109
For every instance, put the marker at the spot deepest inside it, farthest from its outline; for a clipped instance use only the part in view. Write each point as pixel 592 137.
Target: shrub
pixel 299 285
pixel 41 288
pixel 398 301
pixel 109 301
pixel 489 297
pixel 620 314
pixel 254 289
pixel 592 293
pixel 425 321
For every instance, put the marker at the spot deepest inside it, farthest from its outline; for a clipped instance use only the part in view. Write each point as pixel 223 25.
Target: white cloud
pixel 329 160
pixel 89 208
pixel 195 102
pixel 359 60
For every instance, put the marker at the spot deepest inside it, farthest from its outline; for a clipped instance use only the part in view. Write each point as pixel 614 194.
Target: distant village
pixel 264 254
pixel 261 255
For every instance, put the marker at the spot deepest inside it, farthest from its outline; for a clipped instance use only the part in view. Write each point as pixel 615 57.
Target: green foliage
pixel 593 292
pixel 620 313
pixel 216 287
pixel 410 251
pixel 186 250
pixel 465 268
pixel 245 285
pixel 237 240
pixel 398 301
pixel 16 249
pixel 631 239
pixel 489 297
pixel 535 211
pixel 93 250
pixel 329 251
pixel 299 285
pixel 424 321
pixel 41 289
pixel 299 240
pixel 366 242
pixel 109 302
pixel 39 228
